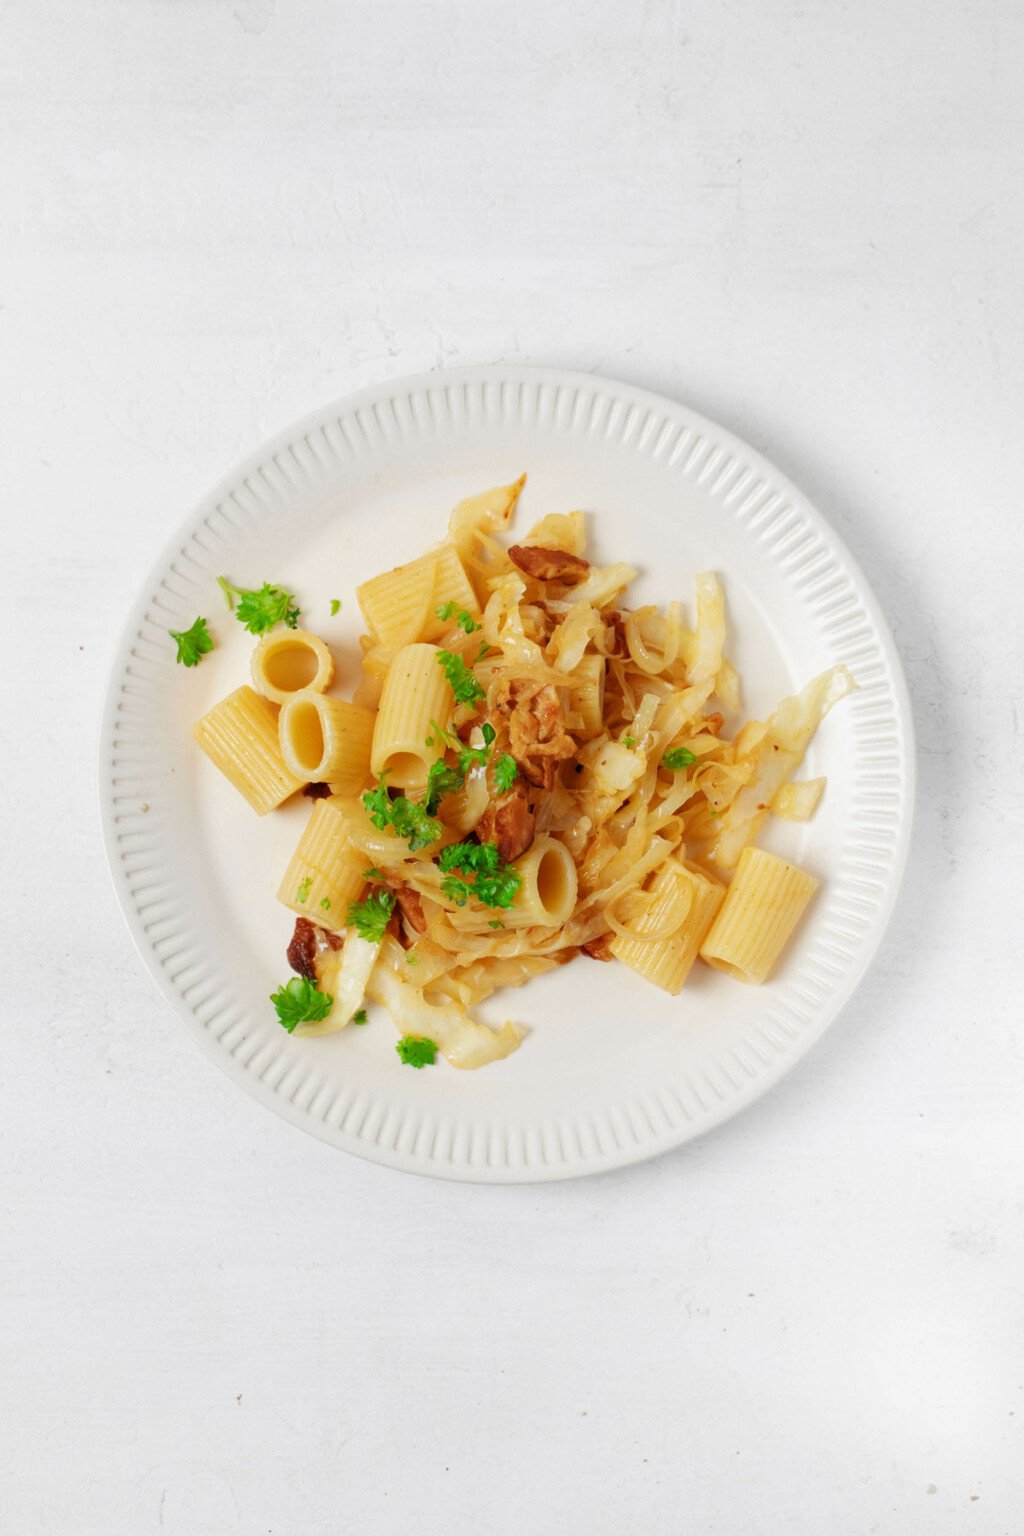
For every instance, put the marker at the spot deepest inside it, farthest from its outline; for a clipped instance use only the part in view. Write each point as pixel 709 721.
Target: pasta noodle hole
pixel 552 881
pixel 307 735
pixel 291 667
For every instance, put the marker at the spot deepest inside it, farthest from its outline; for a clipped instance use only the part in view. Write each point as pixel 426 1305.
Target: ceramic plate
pixel 611 1070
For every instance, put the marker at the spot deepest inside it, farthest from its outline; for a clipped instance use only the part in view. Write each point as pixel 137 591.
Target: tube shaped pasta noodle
pixel 326 871
pixel 288 660
pixel 415 692
pixel 547 895
pixel 765 902
pixel 239 735
pixel 586 695
pixel 678 891
pixel 400 606
pixel 327 740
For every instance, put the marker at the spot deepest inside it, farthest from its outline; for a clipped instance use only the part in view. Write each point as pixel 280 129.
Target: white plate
pixel 612 1070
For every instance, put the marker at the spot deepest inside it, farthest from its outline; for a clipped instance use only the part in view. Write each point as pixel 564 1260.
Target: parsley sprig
pixel 466 688
pixel 300 1001
pixel 679 757
pixel 416 1051
pixel 193 643
pixel 370 917
pixel 259 610
pixel 407 818
pixel 494 885
pixel 448 611
pixel 442 778
pixel 506 771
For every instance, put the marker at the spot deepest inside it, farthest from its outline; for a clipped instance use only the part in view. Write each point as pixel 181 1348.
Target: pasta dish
pixel 530 773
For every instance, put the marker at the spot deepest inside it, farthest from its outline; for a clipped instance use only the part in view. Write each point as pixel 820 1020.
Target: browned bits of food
pixel 549 564
pixel 411 906
pixel 317 791
pixel 308 941
pixel 536 732
pixel 509 823
pixel 598 949
pixel 302 949
pixel 615 641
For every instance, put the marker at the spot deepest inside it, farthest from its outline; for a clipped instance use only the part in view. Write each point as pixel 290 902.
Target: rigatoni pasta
pixel 662 940
pixel 326 740
pixel 326 871
pixel 415 694
pixel 548 885
pixel 530 774
pixel 288 661
pixel 239 735
pixel 401 605
pixel 766 900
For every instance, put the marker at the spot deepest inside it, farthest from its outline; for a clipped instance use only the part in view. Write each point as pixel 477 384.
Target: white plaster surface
pixel 803 220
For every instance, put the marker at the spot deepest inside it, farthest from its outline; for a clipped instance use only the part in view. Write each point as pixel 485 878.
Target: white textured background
pixel 804 221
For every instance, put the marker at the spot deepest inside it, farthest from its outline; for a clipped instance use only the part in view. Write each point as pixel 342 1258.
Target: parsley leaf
pixel 335 605
pixel 370 917
pixel 300 1001
pixel 260 610
pixel 359 1017
pixel 469 857
pixel 679 757
pixel 373 873
pixel 464 685
pixel 192 643
pixel 416 1051
pixel 411 820
pixel 448 611
pixel 378 803
pixel 408 818
pixel 497 890
pixel 495 923
pixel 629 741
pixel 303 890
pixel 506 771
pixel 468 756
pixel 441 780
pixel 495 884
pixel 326 903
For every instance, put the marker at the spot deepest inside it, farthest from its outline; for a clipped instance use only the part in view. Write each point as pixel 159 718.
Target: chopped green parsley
pixel 300 1001
pixel 193 643
pixel 260 610
pixel 407 818
pixel 494 885
pixel 370 917
pixel 505 773
pixel 679 757
pixel 466 688
pixel 448 611
pixel 415 1051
